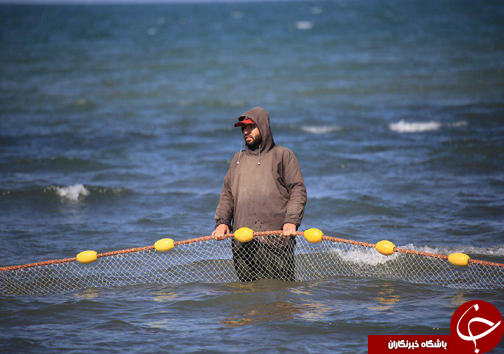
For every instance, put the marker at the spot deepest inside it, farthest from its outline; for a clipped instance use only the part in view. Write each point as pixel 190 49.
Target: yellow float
pixel 163 245
pixel 458 259
pixel 385 247
pixel 87 257
pixel 313 235
pixel 244 234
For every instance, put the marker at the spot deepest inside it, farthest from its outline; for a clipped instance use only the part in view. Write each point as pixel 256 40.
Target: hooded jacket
pixel 264 187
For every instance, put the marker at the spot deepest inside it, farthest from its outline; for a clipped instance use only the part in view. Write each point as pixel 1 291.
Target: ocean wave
pixel 417 127
pixel 320 129
pixel 72 193
pixel 77 192
pixel 365 256
pixel 496 251
pixel 371 257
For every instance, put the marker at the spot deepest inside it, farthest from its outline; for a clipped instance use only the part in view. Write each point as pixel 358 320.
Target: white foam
pixel 485 251
pixel 364 256
pixel 304 25
pixel 316 10
pixel 404 127
pixel 416 127
pixel 490 251
pixel 320 130
pixel 72 192
pixel 373 258
pixel 426 249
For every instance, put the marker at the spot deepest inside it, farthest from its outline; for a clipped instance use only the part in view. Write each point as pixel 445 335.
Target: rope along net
pixel 268 256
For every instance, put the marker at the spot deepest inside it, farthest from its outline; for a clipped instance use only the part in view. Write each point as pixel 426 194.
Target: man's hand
pixel 220 231
pixel 289 229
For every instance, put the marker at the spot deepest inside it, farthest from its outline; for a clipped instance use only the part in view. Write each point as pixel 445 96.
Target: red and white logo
pixel 478 322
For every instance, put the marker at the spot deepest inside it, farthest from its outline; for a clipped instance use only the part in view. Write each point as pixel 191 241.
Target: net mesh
pixel 209 260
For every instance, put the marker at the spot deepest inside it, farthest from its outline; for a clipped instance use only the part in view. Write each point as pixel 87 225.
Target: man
pixel 263 190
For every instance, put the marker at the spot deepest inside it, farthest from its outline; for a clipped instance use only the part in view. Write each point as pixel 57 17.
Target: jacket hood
pixel 261 119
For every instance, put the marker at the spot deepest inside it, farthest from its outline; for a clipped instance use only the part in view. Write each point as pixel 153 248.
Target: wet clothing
pixel 263 189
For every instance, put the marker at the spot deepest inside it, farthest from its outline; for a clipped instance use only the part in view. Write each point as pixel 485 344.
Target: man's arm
pixel 294 183
pixel 224 212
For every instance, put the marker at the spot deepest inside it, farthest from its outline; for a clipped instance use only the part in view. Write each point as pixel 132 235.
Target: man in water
pixel 263 190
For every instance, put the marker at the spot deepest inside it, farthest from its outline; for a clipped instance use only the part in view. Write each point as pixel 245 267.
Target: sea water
pixel 116 130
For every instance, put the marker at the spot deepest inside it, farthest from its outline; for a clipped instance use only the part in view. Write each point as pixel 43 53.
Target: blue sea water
pixel 116 131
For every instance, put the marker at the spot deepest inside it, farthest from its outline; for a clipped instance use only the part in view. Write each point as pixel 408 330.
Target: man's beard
pixel 255 143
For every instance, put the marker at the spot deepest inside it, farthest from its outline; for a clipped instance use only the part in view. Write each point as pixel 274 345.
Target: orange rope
pixel 130 250
pixel 442 256
pixel 342 240
pixel 137 249
pixel 31 265
pixel 230 235
pixel 493 264
pixel 434 255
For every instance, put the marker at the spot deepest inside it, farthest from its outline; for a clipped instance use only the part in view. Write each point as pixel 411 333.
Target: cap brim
pixel 240 124
pixel 246 121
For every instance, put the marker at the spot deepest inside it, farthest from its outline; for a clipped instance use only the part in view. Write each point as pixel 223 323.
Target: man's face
pixel 252 136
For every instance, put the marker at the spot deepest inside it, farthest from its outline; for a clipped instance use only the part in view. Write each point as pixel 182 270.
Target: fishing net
pixel 268 256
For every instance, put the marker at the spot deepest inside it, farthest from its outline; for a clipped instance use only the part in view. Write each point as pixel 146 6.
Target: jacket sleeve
pixel 294 183
pixel 224 212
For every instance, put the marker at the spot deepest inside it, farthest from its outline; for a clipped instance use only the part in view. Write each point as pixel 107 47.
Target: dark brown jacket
pixel 264 187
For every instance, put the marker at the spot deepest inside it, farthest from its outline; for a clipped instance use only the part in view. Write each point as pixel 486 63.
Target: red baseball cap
pixel 244 121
